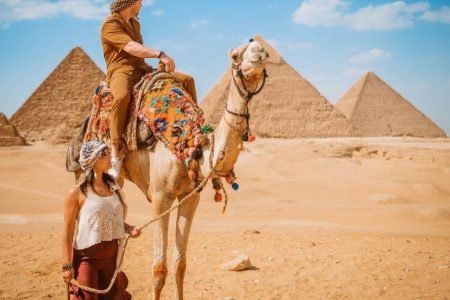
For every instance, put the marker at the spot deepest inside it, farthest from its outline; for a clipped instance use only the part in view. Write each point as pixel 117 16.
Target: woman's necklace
pixel 103 191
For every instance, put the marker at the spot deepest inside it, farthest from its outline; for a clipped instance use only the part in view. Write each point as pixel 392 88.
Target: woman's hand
pixel 136 232
pixel 67 275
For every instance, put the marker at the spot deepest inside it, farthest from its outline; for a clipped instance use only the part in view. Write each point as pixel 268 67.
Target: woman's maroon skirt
pixel 94 267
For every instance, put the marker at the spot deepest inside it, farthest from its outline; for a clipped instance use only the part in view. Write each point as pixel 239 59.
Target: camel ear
pixel 234 55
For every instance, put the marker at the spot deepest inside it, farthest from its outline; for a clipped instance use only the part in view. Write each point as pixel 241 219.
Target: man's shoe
pixel 116 166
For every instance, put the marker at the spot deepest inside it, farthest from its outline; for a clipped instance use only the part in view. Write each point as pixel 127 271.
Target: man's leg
pixel 120 88
pixel 188 83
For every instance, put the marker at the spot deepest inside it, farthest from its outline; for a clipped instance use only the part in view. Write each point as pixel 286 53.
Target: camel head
pixel 249 63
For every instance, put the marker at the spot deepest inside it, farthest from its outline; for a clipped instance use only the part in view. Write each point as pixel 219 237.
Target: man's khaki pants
pixel 121 85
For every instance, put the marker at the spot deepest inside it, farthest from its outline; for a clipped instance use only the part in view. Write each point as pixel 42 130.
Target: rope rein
pixel 197 189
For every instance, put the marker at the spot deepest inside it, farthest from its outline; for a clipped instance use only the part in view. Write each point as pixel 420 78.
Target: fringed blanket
pixel 98 126
pixel 166 108
pixel 173 117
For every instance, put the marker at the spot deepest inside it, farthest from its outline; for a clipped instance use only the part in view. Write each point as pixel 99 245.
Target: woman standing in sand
pixel 95 210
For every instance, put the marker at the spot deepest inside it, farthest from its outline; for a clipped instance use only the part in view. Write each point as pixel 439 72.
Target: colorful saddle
pixel 166 108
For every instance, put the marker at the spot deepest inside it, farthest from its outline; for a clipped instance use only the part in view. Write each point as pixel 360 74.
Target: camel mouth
pixel 253 69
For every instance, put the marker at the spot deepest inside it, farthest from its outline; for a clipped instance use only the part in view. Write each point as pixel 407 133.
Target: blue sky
pixel 329 42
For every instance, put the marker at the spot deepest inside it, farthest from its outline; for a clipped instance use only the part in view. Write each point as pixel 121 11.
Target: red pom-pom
pixel 218 197
pixel 251 138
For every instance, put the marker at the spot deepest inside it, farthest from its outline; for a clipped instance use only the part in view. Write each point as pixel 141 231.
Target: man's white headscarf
pixel 89 154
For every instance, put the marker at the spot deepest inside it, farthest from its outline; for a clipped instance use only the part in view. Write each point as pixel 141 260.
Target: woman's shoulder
pixel 75 195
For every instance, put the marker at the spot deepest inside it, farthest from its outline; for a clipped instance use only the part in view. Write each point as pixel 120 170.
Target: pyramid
pixel 376 109
pixel 289 106
pixel 8 133
pixel 60 104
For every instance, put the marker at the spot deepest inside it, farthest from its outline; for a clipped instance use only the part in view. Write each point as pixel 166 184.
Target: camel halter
pixel 244 92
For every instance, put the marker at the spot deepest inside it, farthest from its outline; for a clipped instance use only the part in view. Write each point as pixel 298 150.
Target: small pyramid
pixel 61 102
pixel 376 109
pixel 8 133
pixel 288 106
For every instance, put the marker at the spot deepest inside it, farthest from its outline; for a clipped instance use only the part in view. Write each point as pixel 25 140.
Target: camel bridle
pixel 244 92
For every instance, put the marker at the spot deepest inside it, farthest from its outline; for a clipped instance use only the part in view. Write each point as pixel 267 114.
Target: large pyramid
pixel 376 109
pixel 60 104
pixel 8 133
pixel 288 106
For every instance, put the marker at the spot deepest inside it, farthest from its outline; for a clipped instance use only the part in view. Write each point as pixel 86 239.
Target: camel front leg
pixel 183 226
pixel 160 204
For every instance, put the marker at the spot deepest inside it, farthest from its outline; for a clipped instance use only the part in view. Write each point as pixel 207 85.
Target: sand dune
pixel 347 218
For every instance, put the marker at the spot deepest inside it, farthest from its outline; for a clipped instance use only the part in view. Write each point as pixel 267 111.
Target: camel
pixel 162 177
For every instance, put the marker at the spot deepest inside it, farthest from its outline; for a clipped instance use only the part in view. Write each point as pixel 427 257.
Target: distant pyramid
pixel 60 104
pixel 8 133
pixel 376 109
pixel 288 106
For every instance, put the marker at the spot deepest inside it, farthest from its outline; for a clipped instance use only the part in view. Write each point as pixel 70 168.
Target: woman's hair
pixel 108 179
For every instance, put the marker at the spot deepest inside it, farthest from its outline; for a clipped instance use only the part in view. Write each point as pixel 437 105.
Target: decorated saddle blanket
pixel 98 125
pixel 165 107
pixel 173 117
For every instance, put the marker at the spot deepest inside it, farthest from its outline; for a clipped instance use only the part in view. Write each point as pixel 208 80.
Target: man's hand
pixel 168 62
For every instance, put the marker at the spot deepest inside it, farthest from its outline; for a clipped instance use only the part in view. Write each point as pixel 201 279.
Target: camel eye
pixel 234 56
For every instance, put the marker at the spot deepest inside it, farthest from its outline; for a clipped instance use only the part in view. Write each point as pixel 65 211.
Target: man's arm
pixel 138 50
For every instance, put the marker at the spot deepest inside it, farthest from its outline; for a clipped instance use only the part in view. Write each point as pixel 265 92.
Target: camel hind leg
pixel 185 217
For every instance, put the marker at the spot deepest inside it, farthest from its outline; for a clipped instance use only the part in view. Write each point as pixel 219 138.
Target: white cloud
pixel 17 10
pixel 157 12
pixel 442 15
pixel 332 13
pixel 321 12
pixel 369 56
pixel 199 23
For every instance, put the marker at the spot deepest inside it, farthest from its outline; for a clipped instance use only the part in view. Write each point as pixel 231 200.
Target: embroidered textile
pixel 173 117
pixel 102 102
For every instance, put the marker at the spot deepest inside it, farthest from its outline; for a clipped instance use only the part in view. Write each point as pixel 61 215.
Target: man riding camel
pixel 124 54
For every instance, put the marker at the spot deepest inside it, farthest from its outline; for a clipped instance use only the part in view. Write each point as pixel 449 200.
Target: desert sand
pixel 338 218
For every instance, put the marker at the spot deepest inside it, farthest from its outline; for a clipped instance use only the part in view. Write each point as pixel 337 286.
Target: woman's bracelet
pixel 67 267
pixel 129 228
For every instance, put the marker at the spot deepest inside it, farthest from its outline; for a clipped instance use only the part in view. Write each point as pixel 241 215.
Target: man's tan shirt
pixel 115 34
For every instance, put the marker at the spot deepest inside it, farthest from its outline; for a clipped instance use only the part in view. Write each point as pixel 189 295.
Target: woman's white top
pixel 99 219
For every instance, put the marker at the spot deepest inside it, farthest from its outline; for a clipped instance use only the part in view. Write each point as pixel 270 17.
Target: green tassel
pixel 207 128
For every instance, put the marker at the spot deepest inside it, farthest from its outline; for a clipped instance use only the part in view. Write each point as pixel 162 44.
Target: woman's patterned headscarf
pixel 89 154
pixel 119 5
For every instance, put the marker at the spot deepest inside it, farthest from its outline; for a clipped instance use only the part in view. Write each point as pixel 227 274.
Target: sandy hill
pixel 60 104
pixel 376 109
pixel 8 133
pixel 288 106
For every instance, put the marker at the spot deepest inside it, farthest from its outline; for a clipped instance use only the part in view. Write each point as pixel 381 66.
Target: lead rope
pixel 198 189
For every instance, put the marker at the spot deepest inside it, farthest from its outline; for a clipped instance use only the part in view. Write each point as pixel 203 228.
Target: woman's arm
pixel 134 231
pixel 71 208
